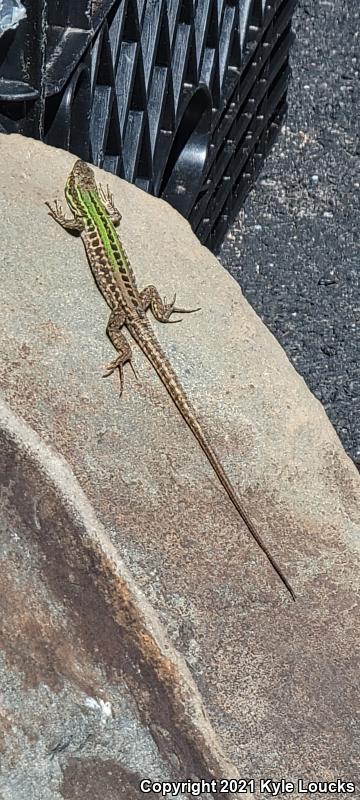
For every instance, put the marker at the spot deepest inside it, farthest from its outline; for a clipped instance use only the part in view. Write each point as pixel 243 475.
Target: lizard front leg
pixel 117 338
pixel 74 224
pixel 150 298
pixel 107 199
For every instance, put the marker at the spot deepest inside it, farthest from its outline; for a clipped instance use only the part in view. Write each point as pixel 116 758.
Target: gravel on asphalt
pixel 295 247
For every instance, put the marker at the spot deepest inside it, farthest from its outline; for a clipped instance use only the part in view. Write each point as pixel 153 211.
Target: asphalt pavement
pixel 295 247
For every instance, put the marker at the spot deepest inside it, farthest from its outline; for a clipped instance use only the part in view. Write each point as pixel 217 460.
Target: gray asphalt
pixel 295 248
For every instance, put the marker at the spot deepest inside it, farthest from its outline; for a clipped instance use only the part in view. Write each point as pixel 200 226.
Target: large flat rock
pixel 278 680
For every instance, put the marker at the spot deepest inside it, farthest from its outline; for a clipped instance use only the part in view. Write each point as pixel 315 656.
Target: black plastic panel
pixel 181 97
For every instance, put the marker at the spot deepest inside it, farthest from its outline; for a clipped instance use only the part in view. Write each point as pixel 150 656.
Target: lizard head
pixel 80 183
pixel 83 176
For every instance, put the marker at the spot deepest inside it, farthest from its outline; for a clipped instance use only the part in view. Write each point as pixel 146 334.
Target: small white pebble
pixel 90 702
pixel 102 706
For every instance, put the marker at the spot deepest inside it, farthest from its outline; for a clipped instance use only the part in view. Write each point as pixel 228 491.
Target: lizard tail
pixel 145 338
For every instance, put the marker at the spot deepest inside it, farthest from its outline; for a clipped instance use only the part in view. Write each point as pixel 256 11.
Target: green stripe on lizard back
pixel 83 197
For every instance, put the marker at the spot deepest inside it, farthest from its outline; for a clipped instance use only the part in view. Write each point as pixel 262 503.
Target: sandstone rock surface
pixel 171 613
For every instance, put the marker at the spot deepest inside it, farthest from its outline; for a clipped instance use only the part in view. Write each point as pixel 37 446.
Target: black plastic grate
pixel 181 97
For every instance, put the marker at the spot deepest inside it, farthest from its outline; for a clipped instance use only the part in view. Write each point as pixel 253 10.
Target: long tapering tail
pixel 146 339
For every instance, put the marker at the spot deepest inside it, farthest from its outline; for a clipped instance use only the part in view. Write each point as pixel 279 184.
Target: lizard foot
pixel 171 308
pixel 118 363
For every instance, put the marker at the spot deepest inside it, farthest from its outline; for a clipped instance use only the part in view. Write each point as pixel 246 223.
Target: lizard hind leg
pixel 150 298
pixel 118 340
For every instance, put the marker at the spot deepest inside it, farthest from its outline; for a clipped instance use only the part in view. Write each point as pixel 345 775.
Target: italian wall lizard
pixel 95 218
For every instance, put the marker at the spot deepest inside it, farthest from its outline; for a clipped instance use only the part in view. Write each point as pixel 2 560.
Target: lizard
pixel 95 218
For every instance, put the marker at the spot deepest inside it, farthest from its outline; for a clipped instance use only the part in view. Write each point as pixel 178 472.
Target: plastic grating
pixel 181 97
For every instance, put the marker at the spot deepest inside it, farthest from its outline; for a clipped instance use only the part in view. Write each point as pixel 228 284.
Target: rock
pixel 130 578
